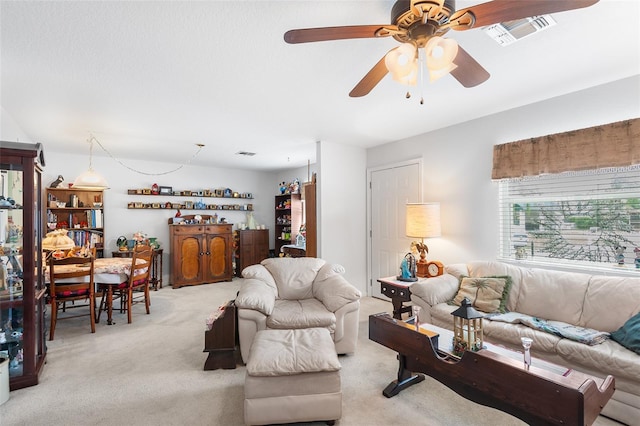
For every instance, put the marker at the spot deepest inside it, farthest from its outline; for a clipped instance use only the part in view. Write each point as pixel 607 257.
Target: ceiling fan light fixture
pixel 402 62
pixel 440 53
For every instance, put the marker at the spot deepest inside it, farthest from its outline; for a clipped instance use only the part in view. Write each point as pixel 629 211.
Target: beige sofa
pixel 597 302
pixel 295 293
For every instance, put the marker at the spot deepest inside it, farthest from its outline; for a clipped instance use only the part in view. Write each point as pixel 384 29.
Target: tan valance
pixel 609 145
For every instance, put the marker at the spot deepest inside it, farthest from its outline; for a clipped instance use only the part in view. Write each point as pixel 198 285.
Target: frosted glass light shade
pixel 90 180
pixel 402 63
pixel 440 53
pixel 423 220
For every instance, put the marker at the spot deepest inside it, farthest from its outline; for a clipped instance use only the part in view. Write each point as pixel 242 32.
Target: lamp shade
pixel 423 220
pixel 90 180
pixel 57 240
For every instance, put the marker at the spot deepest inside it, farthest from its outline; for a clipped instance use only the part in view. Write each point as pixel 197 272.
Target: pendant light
pixel 90 179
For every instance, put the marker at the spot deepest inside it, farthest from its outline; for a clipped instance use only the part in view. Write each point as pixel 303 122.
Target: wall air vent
pixel 509 32
pixel 247 153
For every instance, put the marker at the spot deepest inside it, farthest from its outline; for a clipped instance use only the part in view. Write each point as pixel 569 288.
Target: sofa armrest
pixel 335 292
pixel 436 290
pixel 257 295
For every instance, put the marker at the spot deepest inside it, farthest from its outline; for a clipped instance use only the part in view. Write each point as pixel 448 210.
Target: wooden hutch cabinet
pixel 22 290
pixel 200 253
pixel 252 247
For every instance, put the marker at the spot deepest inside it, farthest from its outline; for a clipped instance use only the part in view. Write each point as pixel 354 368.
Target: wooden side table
pixel 156 265
pixel 399 293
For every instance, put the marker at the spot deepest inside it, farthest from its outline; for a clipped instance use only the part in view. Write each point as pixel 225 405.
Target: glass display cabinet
pixel 22 291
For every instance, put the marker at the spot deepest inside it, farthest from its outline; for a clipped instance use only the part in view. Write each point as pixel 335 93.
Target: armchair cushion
pixel 294 276
pixel 303 313
pixel 332 289
pixel 261 273
pixel 256 295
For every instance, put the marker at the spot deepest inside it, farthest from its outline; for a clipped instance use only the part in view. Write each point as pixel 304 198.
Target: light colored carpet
pixel 151 372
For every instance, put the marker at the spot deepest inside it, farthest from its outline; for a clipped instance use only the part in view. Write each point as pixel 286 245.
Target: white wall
pixel 119 220
pixel 458 160
pixel 342 209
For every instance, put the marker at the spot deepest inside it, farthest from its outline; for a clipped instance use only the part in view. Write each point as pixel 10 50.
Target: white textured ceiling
pixel 151 79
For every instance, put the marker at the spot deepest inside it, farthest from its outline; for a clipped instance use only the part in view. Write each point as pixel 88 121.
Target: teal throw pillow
pixel 629 334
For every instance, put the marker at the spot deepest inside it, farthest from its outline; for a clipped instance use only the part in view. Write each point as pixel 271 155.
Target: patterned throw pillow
pixel 487 294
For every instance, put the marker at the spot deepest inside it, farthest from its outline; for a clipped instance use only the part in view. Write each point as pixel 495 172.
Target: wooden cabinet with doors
pixel 252 247
pixel 22 290
pixel 288 220
pixel 200 253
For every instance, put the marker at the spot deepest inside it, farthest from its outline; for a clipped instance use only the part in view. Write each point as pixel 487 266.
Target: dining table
pixel 110 271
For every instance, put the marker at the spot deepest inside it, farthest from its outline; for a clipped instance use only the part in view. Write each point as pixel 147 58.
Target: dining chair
pixel 138 282
pixel 70 280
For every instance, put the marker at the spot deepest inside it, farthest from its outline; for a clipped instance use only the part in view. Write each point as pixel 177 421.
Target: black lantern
pixel 467 328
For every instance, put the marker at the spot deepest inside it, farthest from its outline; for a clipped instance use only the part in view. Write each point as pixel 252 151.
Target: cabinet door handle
pixel 201 253
pixel 208 253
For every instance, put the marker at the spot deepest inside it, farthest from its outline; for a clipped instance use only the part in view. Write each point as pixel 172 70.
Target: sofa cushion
pixel 294 275
pixel 608 358
pixel 437 289
pixel 552 295
pixel 629 334
pixel 609 302
pixel 303 313
pixel 487 294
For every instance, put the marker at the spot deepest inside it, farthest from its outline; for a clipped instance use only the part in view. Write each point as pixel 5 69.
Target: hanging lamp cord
pixel 94 139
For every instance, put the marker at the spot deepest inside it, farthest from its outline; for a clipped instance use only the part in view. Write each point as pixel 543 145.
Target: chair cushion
pixel 71 293
pixel 294 275
pixel 304 313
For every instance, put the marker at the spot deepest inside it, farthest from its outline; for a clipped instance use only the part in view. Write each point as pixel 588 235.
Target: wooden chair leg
pixel 146 298
pixel 92 314
pixel 129 297
pixel 54 317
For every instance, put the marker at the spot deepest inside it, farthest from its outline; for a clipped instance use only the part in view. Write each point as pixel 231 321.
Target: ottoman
pixel 292 376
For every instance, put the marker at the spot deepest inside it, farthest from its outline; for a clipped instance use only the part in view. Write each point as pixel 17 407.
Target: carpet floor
pixel 151 372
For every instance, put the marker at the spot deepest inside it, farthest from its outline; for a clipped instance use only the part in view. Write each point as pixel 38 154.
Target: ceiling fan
pixel 420 26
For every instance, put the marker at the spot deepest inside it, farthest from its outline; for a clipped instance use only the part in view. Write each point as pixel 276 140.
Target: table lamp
pixel 422 221
pixel 56 241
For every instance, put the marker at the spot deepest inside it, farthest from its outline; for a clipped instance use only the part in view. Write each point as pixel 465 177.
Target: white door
pixel 391 189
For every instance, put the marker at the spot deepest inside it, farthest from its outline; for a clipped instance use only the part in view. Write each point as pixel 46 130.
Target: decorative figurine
pixel 56 182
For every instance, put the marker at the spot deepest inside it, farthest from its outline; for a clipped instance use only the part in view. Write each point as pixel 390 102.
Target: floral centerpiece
pixel 139 237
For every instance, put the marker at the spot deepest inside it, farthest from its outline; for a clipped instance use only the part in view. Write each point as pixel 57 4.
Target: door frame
pixel 371 170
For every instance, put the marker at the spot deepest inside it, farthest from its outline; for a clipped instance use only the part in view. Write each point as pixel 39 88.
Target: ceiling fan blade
pixel 307 35
pixel 508 10
pixel 370 80
pixel 469 72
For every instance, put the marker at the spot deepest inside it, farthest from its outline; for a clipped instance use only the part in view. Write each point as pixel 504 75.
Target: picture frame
pixel 165 190
pixel 188 205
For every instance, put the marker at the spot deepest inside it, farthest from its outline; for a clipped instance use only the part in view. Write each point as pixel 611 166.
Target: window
pixel 589 218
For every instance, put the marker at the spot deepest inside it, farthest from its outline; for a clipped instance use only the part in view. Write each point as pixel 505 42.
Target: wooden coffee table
pixel 545 394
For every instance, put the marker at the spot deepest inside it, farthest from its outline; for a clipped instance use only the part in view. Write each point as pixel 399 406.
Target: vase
pixel 251 222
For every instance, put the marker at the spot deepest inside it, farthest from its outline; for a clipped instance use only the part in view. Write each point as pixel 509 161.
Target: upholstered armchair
pixel 294 293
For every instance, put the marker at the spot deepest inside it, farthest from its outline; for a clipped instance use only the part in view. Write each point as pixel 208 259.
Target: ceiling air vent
pixel 247 153
pixel 509 32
